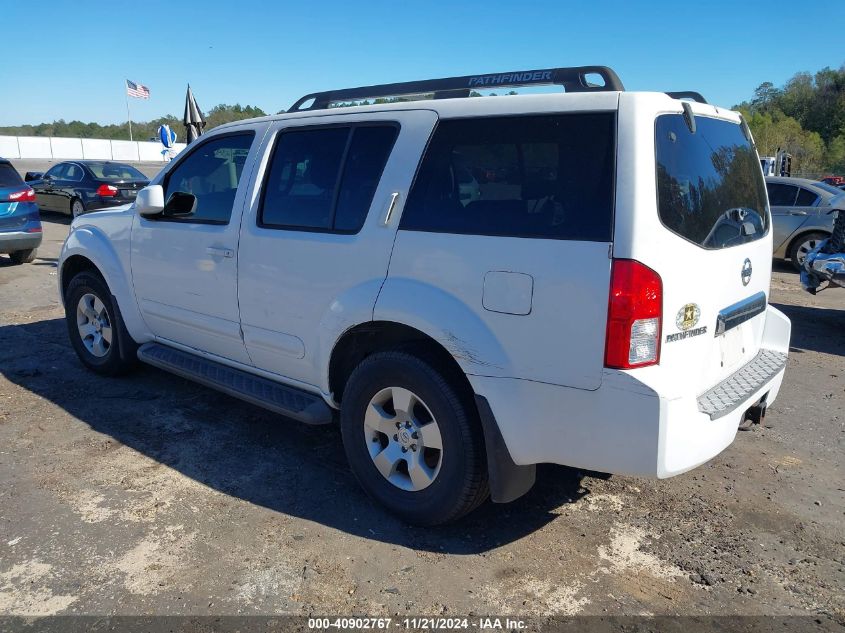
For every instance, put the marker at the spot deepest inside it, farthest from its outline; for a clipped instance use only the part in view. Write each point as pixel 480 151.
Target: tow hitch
pixel 754 415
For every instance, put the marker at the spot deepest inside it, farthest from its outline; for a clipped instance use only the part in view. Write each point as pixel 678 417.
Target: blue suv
pixel 20 224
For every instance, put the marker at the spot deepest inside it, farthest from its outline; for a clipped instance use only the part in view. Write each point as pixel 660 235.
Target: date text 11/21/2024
pixel 416 623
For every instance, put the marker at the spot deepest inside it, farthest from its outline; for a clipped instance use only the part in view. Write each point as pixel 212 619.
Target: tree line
pixel 141 130
pixel 805 117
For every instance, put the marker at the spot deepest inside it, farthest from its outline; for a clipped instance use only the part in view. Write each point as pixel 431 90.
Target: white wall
pixel 79 148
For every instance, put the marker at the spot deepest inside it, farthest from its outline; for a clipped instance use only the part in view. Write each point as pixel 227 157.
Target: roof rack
pixel 573 79
pixel 688 94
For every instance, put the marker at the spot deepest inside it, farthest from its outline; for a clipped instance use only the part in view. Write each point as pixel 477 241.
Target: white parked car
pixel 599 300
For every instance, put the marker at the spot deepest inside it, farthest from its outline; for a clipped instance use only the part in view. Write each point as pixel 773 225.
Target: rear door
pixel 713 250
pixel 504 245
pixel 315 247
pixel 13 215
pixel 65 186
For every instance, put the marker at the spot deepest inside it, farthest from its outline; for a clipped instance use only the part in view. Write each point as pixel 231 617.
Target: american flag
pixel 137 90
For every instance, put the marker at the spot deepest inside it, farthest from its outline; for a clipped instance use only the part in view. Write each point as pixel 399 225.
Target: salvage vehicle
pixel 20 223
pixel 826 262
pixel 801 215
pixel 600 301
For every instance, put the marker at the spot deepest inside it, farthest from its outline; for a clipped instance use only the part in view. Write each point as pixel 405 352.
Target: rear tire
pixel 77 208
pixel 23 257
pixel 802 245
pixel 95 327
pixel 452 479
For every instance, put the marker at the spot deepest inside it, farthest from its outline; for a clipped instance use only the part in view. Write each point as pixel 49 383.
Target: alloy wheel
pixel 94 325
pixel 805 248
pixel 403 439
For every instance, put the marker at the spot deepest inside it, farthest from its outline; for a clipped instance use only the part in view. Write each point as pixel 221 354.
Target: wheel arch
pixel 87 248
pixel 365 339
pixel 508 481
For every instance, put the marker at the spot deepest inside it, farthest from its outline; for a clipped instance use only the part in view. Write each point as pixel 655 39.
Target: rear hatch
pixel 715 247
pixel 13 214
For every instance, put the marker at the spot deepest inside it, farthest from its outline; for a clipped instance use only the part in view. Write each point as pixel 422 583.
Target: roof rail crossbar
pixel 575 79
pixel 688 94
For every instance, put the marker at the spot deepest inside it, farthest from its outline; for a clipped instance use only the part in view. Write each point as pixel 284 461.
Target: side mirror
pixel 150 201
pixel 180 204
pixel 33 175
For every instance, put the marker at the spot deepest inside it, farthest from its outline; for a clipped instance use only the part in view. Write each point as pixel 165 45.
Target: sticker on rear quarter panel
pixel 686 321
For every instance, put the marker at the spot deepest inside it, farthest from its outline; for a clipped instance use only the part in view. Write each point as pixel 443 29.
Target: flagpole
pixel 128 115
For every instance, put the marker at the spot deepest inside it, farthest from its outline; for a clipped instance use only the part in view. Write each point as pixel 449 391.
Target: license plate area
pixel 129 193
pixel 731 345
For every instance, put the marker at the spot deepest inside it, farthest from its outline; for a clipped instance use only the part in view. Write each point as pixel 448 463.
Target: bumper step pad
pixel 736 388
pixel 288 401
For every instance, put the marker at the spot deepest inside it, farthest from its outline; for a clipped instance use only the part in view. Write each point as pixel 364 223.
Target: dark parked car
pixel 77 186
pixel 20 225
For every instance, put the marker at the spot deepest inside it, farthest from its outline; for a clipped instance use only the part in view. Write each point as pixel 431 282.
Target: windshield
pixel 115 171
pixel 710 189
pixel 9 177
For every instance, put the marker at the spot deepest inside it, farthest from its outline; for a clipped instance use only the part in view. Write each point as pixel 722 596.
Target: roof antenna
pixel 689 117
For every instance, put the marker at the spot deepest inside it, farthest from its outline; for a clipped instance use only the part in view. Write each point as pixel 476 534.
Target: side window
pixel 781 195
pixel 806 198
pixel 545 176
pixel 211 172
pixel 324 179
pixel 72 172
pixel 56 171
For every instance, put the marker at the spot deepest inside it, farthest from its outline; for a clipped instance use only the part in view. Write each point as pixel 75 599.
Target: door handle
pixel 793 212
pixel 219 251
pixel 393 198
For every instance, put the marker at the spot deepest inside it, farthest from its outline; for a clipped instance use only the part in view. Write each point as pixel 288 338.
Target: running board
pixel 288 401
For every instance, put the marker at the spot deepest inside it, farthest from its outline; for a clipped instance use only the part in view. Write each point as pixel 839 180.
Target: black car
pixel 77 186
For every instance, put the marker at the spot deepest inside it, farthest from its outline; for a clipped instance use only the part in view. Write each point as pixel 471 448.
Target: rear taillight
pixel 634 316
pixel 106 191
pixel 24 195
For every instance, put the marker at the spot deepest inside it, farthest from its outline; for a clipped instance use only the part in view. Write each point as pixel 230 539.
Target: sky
pixel 69 59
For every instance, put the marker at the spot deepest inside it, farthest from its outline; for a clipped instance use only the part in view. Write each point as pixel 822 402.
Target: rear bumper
pixel 624 427
pixel 12 241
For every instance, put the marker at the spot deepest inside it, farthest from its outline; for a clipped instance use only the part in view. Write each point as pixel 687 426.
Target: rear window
pixel 9 177
pixel 520 176
pixel 710 189
pixel 115 171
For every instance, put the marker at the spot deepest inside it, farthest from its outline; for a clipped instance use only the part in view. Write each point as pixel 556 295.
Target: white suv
pixel 478 285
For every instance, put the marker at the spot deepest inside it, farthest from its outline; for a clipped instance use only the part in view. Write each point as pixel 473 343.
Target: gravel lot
pixel 150 494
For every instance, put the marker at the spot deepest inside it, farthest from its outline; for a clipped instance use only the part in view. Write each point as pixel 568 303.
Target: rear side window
pixel 545 176
pixel 710 188
pixel 806 198
pixel 72 172
pixel 325 179
pixel 781 195
pixel 9 177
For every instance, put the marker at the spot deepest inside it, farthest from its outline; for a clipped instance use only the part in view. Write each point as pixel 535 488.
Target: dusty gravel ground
pixel 150 494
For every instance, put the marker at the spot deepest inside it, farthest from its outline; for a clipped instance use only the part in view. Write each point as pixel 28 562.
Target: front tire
pixel 95 327
pixel 414 444
pixel 23 257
